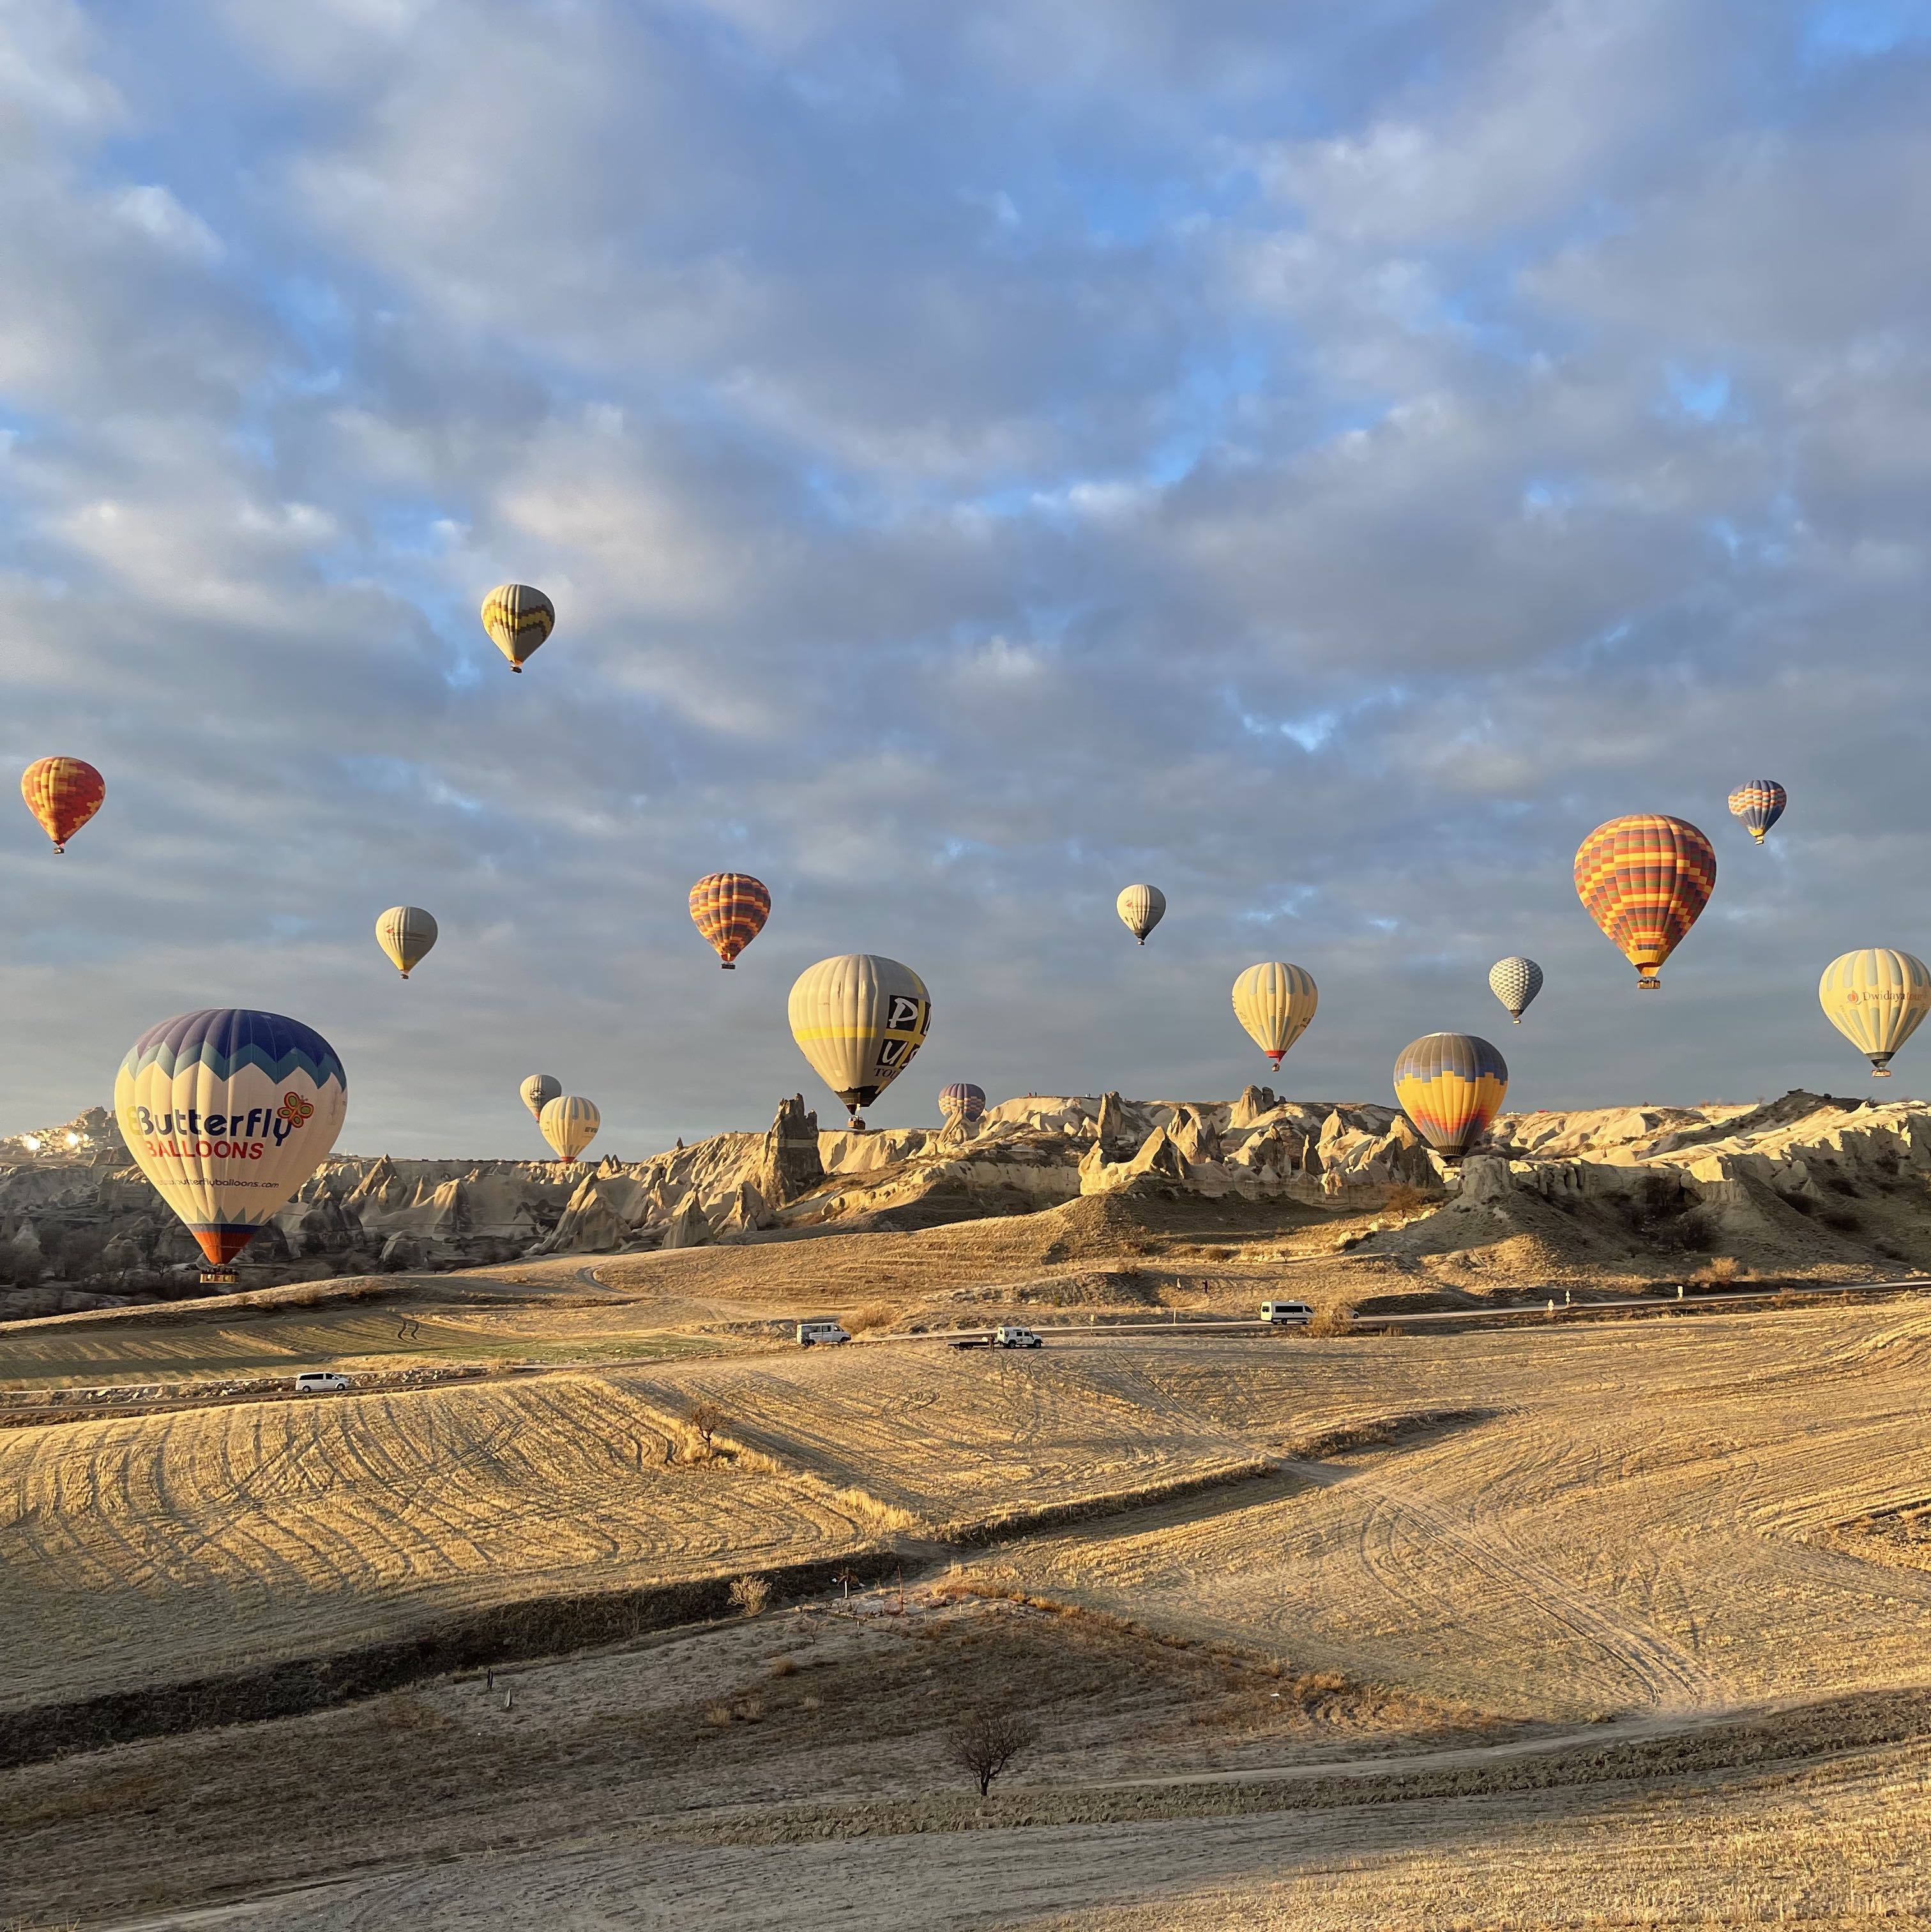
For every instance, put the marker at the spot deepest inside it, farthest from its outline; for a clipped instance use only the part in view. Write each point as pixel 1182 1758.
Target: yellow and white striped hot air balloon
pixel 569 1124
pixel 1875 998
pixel 859 1019
pixel 518 617
pixel 1141 907
pixel 1274 1001
pixel 405 933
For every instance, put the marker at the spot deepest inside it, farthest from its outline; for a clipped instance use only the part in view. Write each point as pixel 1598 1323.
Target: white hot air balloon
pixel 1274 1001
pixel 228 1111
pixel 1142 908
pixel 859 1019
pixel 405 933
pixel 569 1124
pixel 1875 999
pixel 538 1090
pixel 1515 982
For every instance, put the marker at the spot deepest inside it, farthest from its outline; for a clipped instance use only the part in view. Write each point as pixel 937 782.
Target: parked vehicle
pixel 1286 1314
pixel 821 1334
pixel 320 1382
pixel 979 1341
pixel 1013 1337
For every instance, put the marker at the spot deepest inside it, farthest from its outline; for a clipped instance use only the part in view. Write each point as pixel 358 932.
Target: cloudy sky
pixel 1321 460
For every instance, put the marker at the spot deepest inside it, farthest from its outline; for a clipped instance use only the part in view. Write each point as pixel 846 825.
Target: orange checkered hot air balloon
pixel 1643 880
pixel 729 910
pixel 63 793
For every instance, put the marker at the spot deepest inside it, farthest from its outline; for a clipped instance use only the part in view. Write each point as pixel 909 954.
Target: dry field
pixel 1466 1544
pixel 162 1548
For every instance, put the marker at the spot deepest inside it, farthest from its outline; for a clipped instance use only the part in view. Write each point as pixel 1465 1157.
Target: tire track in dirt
pixel 1666 1678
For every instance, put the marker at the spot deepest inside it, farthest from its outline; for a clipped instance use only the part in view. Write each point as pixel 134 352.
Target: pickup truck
pixel 1008 1336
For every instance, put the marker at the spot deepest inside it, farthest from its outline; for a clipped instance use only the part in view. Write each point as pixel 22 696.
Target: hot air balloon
pixel 538 1090
pixel 963 1104
pixel 1643 880
pixel 729 910
pixel 859 1019
pixel 1142 908
pixel 1274 1001
pixel 1451 1086
pixel 1759 804
pixel 63 793
pixel 1516 982
pixel 569 1124
pixel 518 617
pixel 228 1112
pixel 1875 999
pixel 405 933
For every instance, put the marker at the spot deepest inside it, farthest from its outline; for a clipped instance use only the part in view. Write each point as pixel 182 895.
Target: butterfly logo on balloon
pixel 295 1109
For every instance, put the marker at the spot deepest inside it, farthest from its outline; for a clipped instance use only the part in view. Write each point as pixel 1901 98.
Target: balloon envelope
pixel 859 1019
pixel 729 910
pixel 538 1090
pixel 1516 982
pixel 961 1103
pixel 1643 879
pixel 1142 908
pixel 569 1124
pixel 1875 999
pixel 1451 1085
pixel 63 793
pixel 1274 1001
pixel 228 1111
pixel 405 933
pixel 1759 804
pixel 518 617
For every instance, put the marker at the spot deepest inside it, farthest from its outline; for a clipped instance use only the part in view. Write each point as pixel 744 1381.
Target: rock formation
pixel 1806 1181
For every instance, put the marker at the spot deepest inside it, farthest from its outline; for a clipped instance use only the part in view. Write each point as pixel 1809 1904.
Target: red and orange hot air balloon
pixel 63 793
pixel 1643 880
pixel 729 910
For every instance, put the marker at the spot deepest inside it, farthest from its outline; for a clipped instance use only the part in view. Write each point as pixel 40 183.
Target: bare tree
pixel 706 1418
pixel 986 1739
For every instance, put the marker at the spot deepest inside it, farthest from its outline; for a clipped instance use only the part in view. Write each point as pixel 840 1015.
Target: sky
pixel 1321 461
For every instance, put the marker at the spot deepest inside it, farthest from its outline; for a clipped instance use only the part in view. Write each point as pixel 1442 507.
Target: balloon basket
pixel 727 966
pixel 220 1277
pixel 1648 982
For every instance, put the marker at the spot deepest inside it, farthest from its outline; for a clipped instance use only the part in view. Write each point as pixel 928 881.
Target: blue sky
pixel 1321 461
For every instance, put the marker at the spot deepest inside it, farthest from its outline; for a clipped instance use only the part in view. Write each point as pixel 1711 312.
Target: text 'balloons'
pixel 228 1111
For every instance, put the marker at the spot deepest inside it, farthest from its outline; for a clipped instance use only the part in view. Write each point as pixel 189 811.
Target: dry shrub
pixel 705 1419
pixel 717 1716
pixel 1725 1269
pixel 784 1667
pixel 873 1315
pixel 810 1702
pixel 1337 1320
pixel 749 1594
pixel 1404 1199
pixel 748 1710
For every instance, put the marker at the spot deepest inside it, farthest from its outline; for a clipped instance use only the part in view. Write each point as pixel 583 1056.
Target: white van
pixel 1286 1314
pixel 824 1333
pixel 1012 1336
pixel 320 1382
